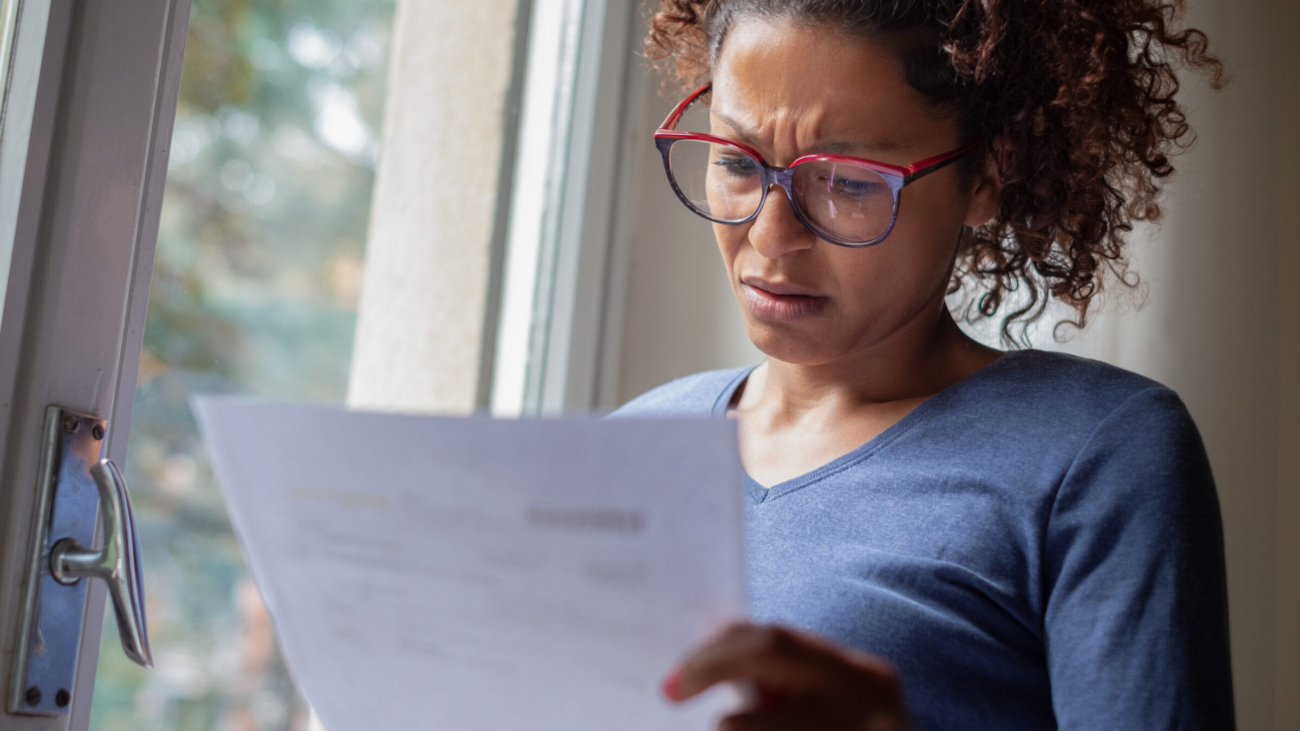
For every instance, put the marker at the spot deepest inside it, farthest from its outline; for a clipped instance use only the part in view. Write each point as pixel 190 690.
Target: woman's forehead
pixel 778 81
pixel 807 128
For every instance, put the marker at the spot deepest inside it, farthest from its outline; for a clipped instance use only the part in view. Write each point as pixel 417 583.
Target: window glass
pixel 15 143
pixel 8 24
pixel 254 290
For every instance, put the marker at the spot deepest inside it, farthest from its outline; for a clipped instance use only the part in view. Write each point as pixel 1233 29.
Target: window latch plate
pixel 76 488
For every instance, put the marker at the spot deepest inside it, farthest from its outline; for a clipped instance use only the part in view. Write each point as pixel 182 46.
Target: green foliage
pixel 254 290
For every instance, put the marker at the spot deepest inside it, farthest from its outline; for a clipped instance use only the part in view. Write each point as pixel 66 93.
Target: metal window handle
pixel 118 562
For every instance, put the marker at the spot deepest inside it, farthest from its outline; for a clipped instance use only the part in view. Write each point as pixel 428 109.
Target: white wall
pixel 420 321
pixel 1210 327
pixel 1287 680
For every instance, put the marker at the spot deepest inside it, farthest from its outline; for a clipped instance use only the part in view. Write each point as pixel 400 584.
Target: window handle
pixel 117 563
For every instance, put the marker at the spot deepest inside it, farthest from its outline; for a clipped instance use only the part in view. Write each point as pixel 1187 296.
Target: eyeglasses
pixel 847 201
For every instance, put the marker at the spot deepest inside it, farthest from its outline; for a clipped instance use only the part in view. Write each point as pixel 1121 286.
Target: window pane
pixel 254 290
pixel 8 24
pixel 19 72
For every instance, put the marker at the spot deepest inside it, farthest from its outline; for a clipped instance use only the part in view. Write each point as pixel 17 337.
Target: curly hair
pixel 1072 100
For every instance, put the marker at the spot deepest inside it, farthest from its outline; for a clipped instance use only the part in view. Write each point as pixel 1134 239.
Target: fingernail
pixel 672 685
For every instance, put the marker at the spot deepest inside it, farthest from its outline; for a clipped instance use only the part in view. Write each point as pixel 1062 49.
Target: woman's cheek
pixel 914 262
pixel 730 241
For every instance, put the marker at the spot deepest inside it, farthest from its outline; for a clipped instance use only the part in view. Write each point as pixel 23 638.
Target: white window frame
pixel 83 163
pixel 557 336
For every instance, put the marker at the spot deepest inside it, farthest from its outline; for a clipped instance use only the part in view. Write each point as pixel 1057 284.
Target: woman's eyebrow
pixel 845 148
pixel 739 131
pixel 742 134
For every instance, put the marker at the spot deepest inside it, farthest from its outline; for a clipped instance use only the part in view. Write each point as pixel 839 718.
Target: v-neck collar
pixel 757 493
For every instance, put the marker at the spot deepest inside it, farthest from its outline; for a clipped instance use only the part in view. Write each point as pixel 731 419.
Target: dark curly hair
pixel 1073 100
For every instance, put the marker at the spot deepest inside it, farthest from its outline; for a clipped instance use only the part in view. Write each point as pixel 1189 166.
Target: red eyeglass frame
pixel 898 176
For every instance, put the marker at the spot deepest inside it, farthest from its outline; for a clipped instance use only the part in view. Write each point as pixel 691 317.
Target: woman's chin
pixel 790 344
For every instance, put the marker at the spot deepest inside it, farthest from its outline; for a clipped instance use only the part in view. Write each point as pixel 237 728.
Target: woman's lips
pixel 780 302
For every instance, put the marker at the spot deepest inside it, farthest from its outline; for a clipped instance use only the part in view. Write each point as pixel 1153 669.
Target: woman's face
pixel 790 90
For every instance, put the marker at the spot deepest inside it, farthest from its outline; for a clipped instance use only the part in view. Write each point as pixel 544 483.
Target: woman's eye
pixel 852 188
pixel 738 166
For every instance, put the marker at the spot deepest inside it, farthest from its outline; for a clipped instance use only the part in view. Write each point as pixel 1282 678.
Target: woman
pixel 942 535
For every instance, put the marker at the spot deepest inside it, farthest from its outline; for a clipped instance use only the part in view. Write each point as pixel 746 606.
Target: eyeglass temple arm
pixel 677 111
pixel 925 167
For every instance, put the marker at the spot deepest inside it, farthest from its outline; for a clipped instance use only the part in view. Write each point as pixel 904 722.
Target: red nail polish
pixel 672 684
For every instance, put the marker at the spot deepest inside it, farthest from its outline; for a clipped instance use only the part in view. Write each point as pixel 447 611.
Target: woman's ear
pixel 986 194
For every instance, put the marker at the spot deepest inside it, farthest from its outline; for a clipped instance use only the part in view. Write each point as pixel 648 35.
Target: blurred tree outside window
pixel 255 286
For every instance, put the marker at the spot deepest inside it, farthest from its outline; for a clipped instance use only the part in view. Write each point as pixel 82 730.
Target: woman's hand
pixel 801 683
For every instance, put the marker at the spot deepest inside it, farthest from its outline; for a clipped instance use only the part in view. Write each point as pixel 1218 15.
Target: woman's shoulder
pixel 694 395
pixel 1062 406
pixel 1051 384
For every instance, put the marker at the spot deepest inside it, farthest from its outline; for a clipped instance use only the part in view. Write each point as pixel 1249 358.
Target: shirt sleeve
pixel 1135 625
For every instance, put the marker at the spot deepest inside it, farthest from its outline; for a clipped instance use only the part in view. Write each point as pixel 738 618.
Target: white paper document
pixel 471 574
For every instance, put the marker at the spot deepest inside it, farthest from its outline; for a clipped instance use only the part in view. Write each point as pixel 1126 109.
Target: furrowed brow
pixel 853 148
pixel 742 134
pixel 739 131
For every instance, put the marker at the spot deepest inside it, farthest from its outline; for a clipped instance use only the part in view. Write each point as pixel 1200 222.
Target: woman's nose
pixel 778 231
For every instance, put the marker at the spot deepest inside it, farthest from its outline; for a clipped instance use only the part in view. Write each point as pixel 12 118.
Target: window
pixel 255 286
pixel 341 224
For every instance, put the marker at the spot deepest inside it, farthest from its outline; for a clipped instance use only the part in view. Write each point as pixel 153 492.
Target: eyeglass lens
pixel 848 202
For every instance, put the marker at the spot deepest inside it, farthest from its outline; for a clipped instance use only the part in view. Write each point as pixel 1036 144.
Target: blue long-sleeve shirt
pixel 1038 546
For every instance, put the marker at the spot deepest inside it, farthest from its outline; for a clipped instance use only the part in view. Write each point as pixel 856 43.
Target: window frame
pixel 83 163
pixel 573 310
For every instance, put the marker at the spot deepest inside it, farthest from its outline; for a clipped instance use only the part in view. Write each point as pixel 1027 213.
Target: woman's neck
pixel 914 363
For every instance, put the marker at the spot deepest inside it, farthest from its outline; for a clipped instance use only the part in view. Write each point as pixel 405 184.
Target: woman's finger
pixel 781 719
pixel 817 716
pixel 780 662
